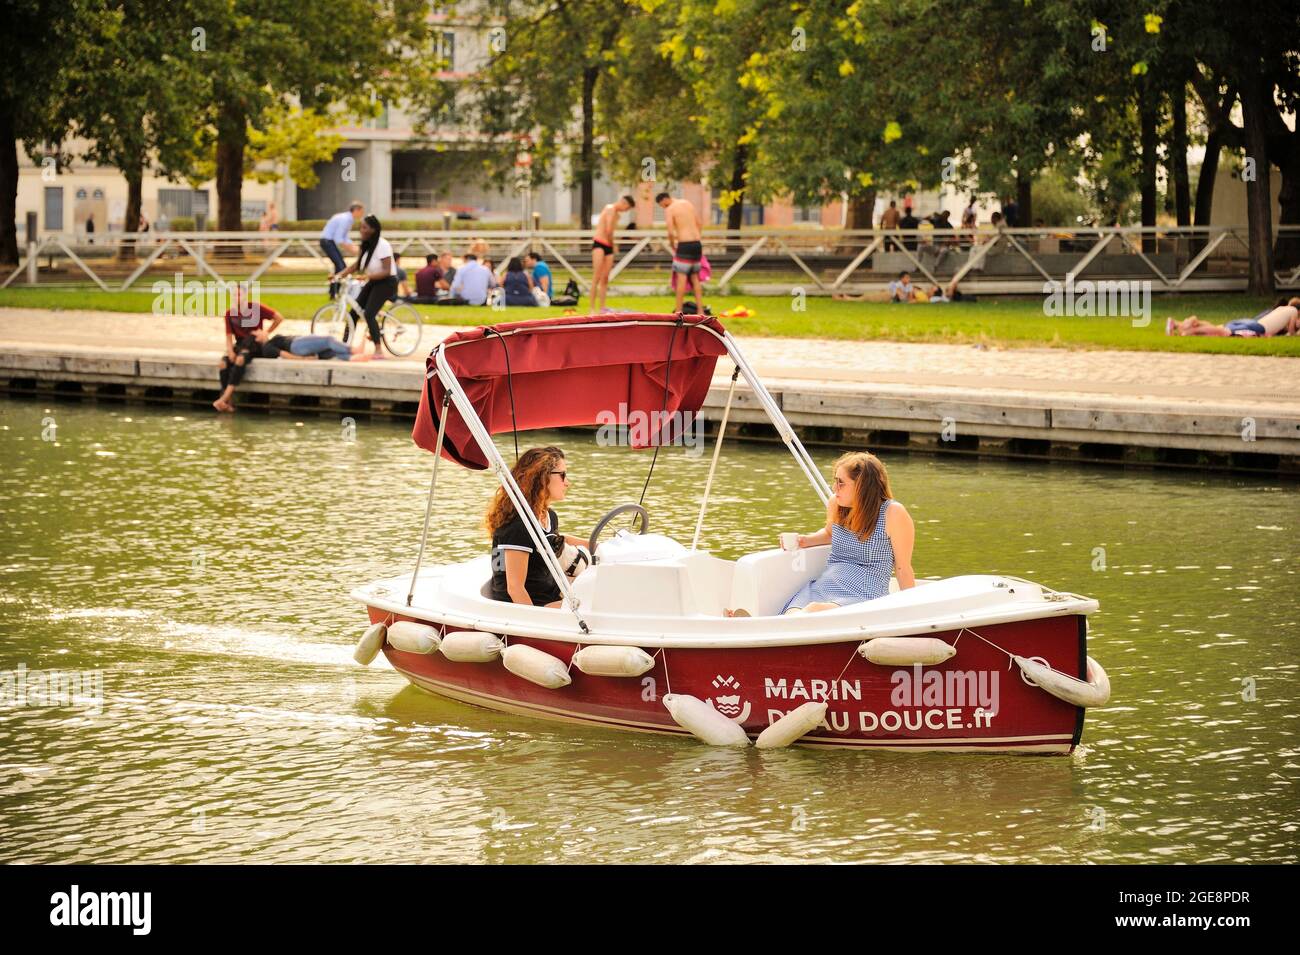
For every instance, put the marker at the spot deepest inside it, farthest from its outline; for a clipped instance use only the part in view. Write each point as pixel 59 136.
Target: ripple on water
pixel 204 571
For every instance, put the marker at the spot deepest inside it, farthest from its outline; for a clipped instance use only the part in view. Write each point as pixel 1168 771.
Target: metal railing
pixel 753 261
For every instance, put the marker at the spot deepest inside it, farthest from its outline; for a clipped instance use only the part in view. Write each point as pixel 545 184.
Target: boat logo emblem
pixel 1029 682
pixel 729 705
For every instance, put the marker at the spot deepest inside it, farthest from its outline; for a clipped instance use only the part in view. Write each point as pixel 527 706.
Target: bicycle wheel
pixel 400 326
pixel 329 320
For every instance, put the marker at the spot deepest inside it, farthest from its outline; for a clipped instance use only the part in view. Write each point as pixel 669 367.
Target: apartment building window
pixel 53 208
pixel 447 50
pixel 183 203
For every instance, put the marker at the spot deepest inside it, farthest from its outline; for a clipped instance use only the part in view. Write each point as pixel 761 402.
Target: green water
pixel 200 565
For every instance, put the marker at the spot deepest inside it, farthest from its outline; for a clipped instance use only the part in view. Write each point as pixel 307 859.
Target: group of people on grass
pixel 870 534
pixel 525 282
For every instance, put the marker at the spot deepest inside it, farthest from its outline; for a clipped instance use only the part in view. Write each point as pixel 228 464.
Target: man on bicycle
pixel 334 239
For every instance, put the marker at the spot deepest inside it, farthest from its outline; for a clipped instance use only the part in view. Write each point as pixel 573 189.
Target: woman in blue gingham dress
pixel 856 571
pixel 864 550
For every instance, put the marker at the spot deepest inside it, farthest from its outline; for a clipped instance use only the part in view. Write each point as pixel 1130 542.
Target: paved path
pixel 1252 383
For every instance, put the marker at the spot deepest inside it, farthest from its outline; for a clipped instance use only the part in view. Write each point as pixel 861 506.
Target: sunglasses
pixel 564 475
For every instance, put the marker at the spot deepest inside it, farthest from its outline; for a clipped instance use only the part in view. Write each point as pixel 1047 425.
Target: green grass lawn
pixel 1008 321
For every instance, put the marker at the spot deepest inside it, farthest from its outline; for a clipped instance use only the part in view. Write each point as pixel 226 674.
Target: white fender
pixel 536 666
pixel 692 713
pixel 613 661
pixel 802 719
pixel 1094 692
pixel 471 646
pixel 574 560
pixel 371 642
pixel 907 651
pixel 413 637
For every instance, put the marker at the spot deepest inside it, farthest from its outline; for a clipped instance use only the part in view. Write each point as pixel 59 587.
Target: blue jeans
pixel 331 248
pixel 323 347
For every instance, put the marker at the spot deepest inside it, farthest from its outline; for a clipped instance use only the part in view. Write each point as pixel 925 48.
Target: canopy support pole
pixel 713 465
pixel 483 439
pixel 428 505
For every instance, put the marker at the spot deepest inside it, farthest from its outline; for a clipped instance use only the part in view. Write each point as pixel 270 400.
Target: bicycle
pixel 400 325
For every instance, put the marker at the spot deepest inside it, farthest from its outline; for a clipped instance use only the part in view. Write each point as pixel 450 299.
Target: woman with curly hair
pixel 519 573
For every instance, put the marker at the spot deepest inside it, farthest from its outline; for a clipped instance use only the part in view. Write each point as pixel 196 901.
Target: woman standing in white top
pixel 376 261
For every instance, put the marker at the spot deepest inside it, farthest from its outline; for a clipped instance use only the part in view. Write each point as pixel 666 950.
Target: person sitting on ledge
pixel 244 321
pixel 1284 319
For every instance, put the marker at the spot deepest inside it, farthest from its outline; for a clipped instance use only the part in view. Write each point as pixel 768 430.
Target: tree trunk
pixel 1205 187
pixel 134 173
pixel 739 170
pixel 1256 99
pixel 859 215
pixel 1286 255
pixel 1025 198
pixel 1205 183
pixel 232 137
pixel 586 163
pixel 1147 111
pixel 8 189
pixel 1178 157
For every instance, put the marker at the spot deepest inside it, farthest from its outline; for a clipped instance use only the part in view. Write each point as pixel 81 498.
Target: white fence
pixel 755 261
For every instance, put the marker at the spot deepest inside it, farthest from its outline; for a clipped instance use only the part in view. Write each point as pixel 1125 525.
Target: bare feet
pixel 222 405
pixel 738 612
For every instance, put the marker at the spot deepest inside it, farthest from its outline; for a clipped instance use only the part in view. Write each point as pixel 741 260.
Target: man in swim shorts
pixel 684 236
pixel 1282 320
pixel 602 250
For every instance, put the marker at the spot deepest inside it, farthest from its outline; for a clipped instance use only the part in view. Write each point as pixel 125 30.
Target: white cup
pixel 789 541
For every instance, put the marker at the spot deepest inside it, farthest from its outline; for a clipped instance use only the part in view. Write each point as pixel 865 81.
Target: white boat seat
pixel 764 581
pixel 693 584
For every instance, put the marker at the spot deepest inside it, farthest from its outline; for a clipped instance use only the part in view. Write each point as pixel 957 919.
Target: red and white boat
pixel 972 663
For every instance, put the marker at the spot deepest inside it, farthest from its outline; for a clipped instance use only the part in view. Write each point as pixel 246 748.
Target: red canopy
pixel 566 372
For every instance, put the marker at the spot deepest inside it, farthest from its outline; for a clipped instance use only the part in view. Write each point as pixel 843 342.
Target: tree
pixel 714 47
pixel 547 67
pixel 1259 58
pixel 266 56
pixel 39 38
pixel 132 94
pixel 832 123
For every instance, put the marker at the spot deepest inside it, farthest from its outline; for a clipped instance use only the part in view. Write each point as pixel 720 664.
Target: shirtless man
pixel 602 250
pixel 684 237
pixel 1282 320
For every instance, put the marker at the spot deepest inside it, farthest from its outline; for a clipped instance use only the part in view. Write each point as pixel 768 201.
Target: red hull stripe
pixel 1059 743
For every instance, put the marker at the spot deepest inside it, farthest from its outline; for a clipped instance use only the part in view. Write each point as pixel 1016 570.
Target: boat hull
pixel 977 701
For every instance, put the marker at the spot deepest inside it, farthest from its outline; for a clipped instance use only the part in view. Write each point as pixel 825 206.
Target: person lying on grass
pixel 1284 319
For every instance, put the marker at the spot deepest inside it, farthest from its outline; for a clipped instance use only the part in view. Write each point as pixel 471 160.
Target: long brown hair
pixel 532 472
pixel 870 490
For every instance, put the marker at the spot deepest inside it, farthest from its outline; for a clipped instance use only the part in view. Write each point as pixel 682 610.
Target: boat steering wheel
pixel 621 509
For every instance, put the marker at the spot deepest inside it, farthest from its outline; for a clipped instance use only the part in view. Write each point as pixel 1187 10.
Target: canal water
pixel 186 576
